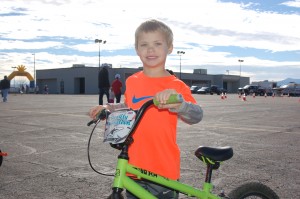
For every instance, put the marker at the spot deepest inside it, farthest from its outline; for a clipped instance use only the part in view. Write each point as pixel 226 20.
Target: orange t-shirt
pixel 155 148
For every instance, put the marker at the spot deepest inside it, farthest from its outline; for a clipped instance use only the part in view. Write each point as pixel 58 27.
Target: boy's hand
pixel 95 110
pixel 162 98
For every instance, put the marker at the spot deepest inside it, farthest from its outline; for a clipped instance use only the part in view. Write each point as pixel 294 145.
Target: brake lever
pixel 102 115
pixel 91 122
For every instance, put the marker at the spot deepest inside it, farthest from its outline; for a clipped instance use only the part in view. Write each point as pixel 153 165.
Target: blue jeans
pixel 5 94
pixel 103 91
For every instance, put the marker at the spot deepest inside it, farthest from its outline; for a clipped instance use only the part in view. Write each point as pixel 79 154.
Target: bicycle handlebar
pixel 174 98
pixel 100 116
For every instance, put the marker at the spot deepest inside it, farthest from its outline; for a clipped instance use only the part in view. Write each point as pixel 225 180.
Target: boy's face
pixel 152 49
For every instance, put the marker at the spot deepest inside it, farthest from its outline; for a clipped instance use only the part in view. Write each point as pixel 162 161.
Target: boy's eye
pixel 143 45
pixel 158 44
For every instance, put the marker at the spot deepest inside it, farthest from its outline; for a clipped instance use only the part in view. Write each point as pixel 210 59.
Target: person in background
pixel 103 84
pixel 5 86
pixel 156 133
pixel 117 86
pixel 36 89
pixel 46 89
pixel 27 89
pixel 22 89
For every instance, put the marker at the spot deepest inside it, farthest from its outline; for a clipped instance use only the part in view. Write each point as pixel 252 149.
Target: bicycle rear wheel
pixel 253 190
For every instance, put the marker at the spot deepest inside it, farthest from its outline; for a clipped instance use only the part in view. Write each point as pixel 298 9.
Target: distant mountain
pixel 288 80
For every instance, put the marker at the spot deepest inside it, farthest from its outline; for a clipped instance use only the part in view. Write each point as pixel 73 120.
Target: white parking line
pixel 52 113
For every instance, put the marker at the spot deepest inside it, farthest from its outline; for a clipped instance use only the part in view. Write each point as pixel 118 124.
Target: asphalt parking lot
pixel 46 137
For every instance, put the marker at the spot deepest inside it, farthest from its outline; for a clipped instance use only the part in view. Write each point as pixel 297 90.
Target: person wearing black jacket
pixel 103 84
pixel 4 86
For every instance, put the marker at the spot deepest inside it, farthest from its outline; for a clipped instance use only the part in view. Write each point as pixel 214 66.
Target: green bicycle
pixel 211 156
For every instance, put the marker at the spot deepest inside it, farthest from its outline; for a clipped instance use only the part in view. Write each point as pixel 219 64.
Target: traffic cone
pixel 244 97
pixel 265 95
pixel 253 95
pixel 222 96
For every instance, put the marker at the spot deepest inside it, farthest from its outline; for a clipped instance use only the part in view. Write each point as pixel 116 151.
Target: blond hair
pixel 152 26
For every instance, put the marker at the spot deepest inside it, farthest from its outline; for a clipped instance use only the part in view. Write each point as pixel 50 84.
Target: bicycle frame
pixel 211 156
pixel 121 180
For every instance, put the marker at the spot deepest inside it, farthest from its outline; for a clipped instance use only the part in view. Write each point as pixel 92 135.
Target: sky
pixel 214 34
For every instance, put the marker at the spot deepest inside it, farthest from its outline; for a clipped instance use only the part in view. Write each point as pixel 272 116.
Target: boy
pixel 154 147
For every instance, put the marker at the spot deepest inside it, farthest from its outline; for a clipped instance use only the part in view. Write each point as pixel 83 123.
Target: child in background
pixel 117 86
pixel 155 135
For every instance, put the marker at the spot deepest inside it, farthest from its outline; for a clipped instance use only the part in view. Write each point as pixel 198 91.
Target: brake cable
pixel 88 151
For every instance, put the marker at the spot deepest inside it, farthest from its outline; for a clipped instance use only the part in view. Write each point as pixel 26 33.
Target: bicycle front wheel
pixel 253 190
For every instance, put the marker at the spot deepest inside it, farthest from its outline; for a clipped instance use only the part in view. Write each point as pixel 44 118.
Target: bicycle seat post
pixel 209 169
pixel 208 173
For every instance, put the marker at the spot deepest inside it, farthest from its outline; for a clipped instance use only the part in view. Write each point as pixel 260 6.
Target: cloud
pixel 295 3
pixel 213 34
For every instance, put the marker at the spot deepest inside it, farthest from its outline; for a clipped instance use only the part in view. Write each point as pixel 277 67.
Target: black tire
pixel 253 190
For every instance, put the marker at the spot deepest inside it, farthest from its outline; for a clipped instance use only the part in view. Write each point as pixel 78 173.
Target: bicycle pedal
pixel 223 196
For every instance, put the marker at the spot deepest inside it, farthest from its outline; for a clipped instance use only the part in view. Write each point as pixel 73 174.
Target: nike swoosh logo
pixel 136 100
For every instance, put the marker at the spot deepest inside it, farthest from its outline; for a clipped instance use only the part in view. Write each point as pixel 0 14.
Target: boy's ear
pixel 170 50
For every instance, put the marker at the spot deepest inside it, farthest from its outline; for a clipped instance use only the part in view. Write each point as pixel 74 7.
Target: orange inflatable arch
pixel 20 72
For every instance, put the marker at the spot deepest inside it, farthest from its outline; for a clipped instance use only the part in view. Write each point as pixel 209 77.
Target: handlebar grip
pixel 102 114
pixel 174 98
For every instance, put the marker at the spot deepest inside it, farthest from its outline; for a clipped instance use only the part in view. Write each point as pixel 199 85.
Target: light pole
pixel 33 70
pixel 100 41
pixel 14 67
pixel 240 60
pixel 180 53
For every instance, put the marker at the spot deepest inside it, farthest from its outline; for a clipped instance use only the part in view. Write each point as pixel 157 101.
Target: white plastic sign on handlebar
pixel 118 125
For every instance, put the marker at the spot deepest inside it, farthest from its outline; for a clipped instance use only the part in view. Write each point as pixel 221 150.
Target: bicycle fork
pixel 121 180
pixel 120 173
